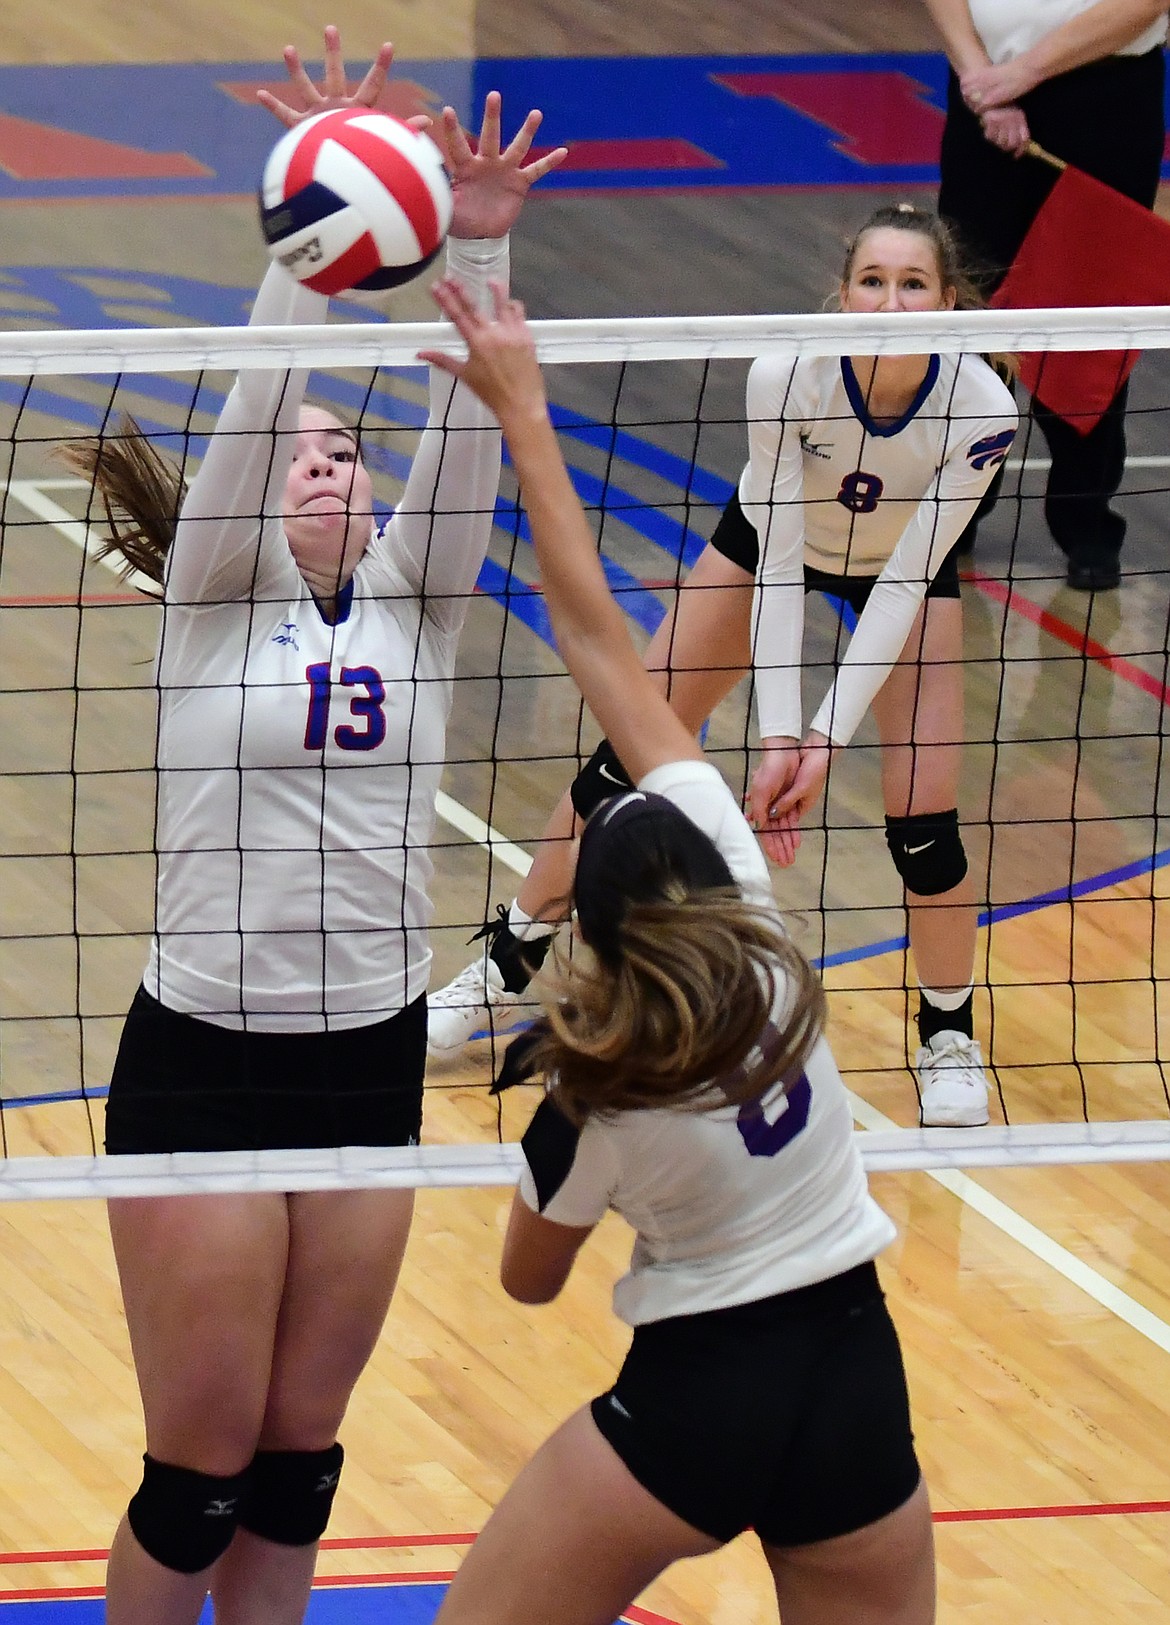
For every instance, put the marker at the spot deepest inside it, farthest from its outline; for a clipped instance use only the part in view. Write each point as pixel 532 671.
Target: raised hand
pixel 501 366
pixel 334 91
pixel 490 185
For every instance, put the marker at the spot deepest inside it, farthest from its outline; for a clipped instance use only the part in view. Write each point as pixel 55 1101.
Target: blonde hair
pixel 708 1003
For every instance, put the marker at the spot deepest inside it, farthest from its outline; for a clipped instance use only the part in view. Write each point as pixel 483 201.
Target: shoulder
pixel 776 375
pixel 699 790
pixel 977 387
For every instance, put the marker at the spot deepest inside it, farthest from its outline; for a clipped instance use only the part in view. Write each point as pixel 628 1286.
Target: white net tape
pixel 457 1166
pixel 186 349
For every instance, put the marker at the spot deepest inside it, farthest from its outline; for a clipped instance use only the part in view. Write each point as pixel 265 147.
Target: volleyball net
pixel 1062 799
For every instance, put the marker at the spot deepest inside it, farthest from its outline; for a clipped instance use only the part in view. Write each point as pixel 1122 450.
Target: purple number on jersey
pixel 368 706
pixel 764 1139
pixel 860 492
pixel 317 722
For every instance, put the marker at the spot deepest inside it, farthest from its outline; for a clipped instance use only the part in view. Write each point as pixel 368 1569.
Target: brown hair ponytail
pixel 140 490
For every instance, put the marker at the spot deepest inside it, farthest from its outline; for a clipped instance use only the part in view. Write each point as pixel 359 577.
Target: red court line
pixel 1105 1509
pixel 72 601
pixel 53 1594
pixel 356 1543
pixel 1070 635
pixel 410 1577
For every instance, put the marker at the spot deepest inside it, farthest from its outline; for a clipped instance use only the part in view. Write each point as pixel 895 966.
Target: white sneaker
pixel 476 998
pixel 952 1082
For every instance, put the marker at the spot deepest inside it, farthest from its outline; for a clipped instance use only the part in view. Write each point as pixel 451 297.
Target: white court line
pixel 1043 463
pixel 1034 1240
pixel 31 495
pixel 467 823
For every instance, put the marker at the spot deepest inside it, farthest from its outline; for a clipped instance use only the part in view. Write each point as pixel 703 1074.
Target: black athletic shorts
pixel 736 538
pixel 788 1416
pixel 182 1084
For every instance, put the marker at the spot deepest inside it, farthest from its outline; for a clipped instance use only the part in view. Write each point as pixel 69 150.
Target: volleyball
pixel 354 199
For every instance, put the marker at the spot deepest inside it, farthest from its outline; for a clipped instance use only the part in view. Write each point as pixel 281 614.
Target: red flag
pixel 1088 245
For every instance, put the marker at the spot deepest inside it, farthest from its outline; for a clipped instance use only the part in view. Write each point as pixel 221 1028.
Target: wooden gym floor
pixel 1034 1304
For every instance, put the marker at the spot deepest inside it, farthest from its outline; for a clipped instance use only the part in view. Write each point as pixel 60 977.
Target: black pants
pixel 1107 119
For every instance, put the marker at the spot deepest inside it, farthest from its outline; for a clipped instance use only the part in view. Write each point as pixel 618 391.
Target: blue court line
pixel 690 476
pixel 1012 911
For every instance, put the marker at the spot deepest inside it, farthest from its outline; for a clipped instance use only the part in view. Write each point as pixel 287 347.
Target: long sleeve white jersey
pixel 827 486
pixel 730 1205
pixel 299 760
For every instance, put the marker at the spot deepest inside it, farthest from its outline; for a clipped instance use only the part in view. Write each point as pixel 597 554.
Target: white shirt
pixel 298 759
pixel 1008 28
pixel 827 486
pixel 715 1223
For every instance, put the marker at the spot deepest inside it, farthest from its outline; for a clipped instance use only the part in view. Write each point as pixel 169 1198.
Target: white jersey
pixel 299 760
pixel 1008 28
pixel 827 486
pixel 734 1204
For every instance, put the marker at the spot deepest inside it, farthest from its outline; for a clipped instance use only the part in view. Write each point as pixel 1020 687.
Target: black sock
pixel 518 959
pixel 932 1020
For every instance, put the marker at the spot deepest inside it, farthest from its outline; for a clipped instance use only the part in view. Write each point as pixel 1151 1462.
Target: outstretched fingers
pixel 374 82
pixel 335 78
pixel 489 130
pixel 518 148
pixel 458 308
pixel 452 137
pixel 501 365
pixel 307 99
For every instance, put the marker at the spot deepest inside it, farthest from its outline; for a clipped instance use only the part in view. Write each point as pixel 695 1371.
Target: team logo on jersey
pixel 287 635
pixel 991 450
pixel 816 448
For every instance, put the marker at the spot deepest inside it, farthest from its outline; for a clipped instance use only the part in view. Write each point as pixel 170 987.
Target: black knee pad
pixel 601 777
pixel 927 851
pixel 290 1494
pixel 183 1519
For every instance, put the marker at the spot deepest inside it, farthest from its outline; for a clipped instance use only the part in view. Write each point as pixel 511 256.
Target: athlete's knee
pixel 183 1519
pixel 928 852
pixel 602 776
pixel 290 1494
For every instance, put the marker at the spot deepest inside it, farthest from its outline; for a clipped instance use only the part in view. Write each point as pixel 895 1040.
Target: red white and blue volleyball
pixel 354 199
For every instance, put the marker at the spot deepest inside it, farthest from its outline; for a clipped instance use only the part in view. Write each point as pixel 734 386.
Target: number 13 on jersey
pixel 366 705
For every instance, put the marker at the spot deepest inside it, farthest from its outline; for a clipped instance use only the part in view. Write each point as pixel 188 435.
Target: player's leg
pixel 344 1254
pixel 698 654
pixel 201 1281
pixel 573 1542
pixel 844 1516
pixel 357 1086
pixel 1085 473
pixel 919 713
pixel 880 1575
